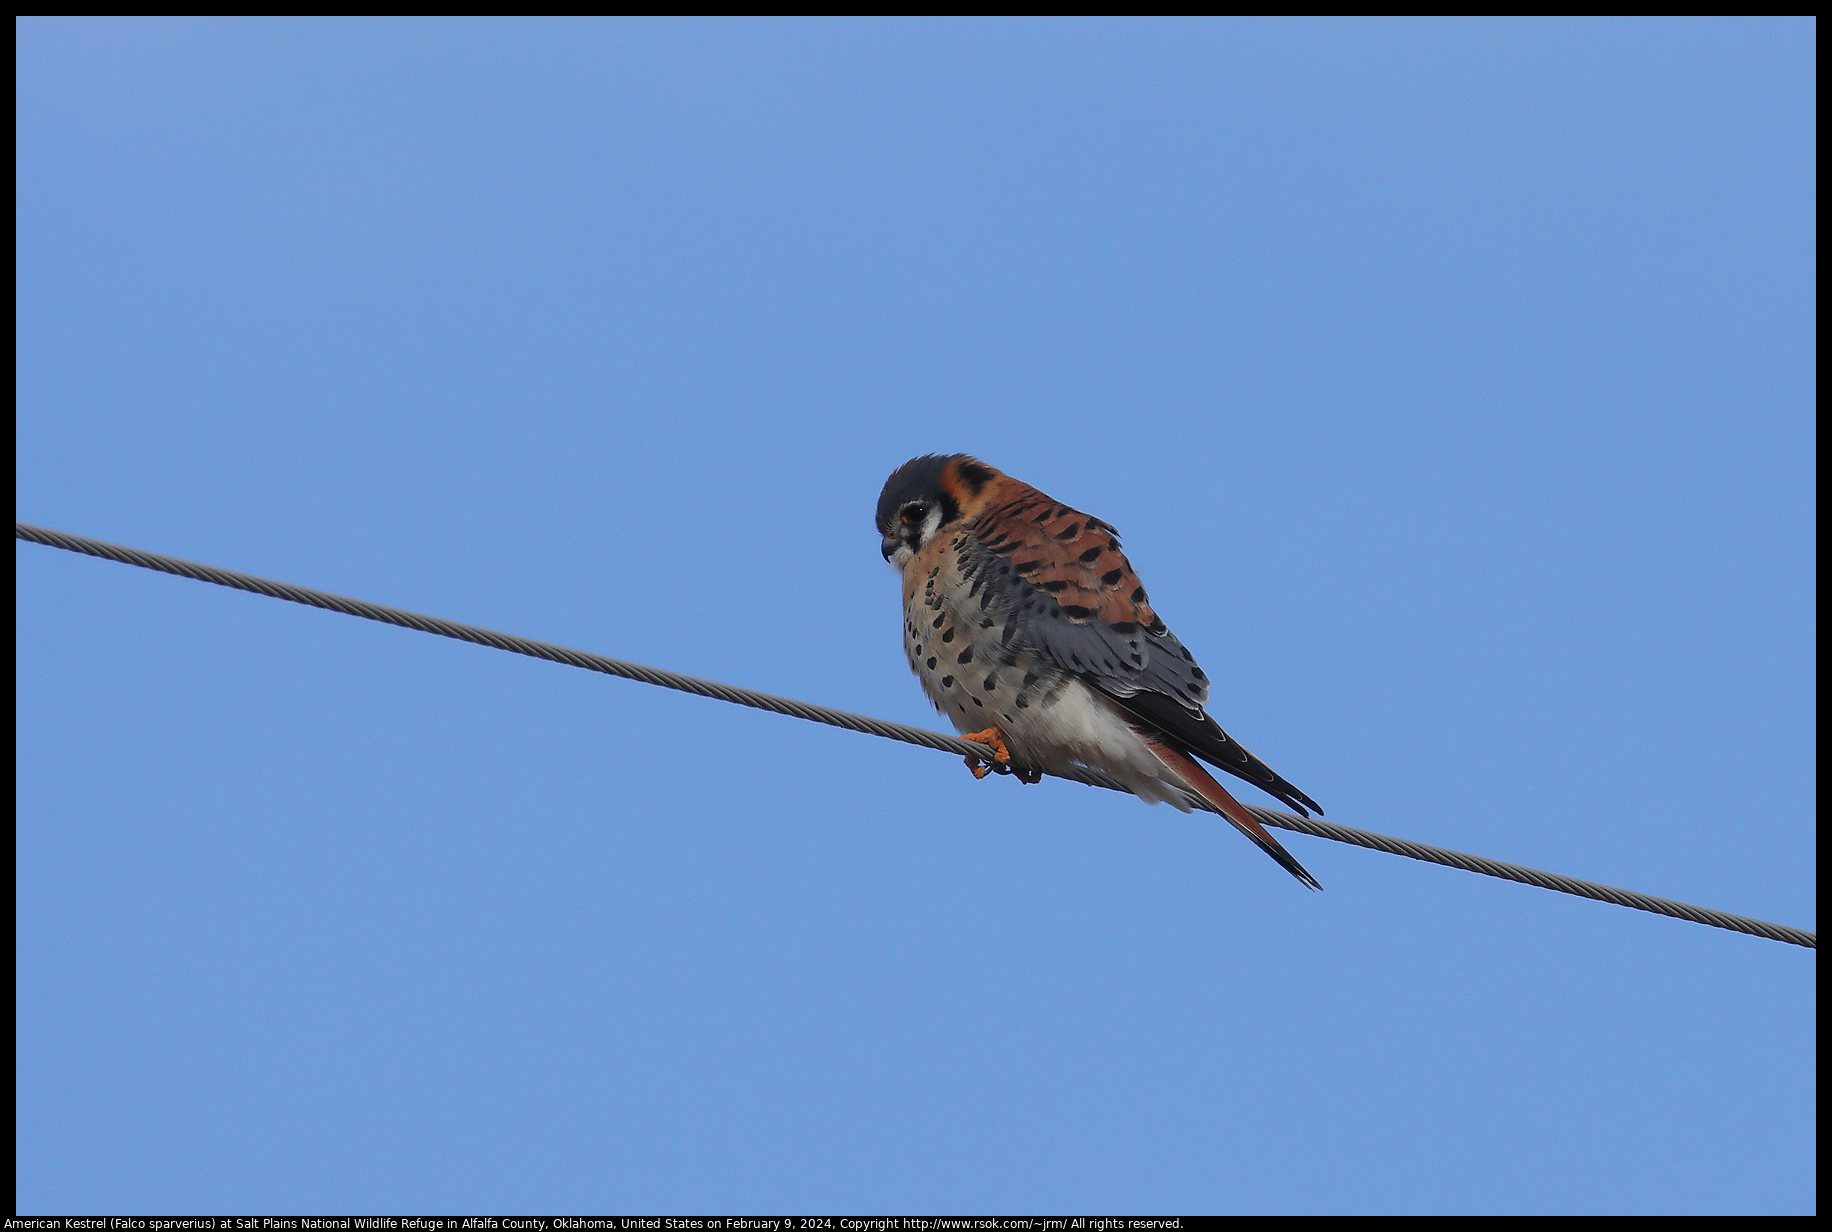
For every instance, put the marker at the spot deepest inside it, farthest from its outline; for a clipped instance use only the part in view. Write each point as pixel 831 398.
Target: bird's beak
pixel 889 547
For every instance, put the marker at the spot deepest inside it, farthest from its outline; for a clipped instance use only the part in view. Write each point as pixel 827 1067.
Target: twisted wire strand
pixel 890 731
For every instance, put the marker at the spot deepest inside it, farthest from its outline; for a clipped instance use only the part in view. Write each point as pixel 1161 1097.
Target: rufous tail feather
pixel 1200 781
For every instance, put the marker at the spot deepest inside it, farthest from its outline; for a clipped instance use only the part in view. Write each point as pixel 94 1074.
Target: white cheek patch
pixel 931 522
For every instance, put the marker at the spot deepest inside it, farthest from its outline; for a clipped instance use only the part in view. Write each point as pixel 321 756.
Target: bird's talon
pixel 993 739
pixel 999 756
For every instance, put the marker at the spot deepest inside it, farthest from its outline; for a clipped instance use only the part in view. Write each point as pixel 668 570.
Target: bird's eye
pixel 912 515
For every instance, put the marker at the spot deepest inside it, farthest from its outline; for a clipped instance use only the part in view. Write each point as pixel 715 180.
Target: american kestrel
pixel 1030 631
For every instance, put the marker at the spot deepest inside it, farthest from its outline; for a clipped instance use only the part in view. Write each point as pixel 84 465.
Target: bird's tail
pixel 1203 784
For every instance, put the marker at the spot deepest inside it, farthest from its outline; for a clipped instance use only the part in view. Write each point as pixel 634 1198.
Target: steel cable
pixel 890 731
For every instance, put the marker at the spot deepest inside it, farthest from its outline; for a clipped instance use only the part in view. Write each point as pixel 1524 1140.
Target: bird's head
pixel 926 495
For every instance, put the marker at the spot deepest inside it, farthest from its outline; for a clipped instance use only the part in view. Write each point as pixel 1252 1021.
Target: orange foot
pixel 994 739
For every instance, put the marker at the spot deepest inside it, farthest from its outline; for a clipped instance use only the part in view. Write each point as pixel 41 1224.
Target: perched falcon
pixel 1030 631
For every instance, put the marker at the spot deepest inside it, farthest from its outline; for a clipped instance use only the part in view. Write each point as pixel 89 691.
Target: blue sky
pixel 1451 382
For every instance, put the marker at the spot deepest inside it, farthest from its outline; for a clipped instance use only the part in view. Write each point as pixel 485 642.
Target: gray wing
pixel 1057 583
